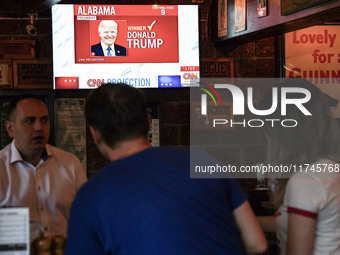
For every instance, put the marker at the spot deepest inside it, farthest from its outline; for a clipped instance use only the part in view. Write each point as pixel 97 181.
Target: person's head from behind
pixel 315 136
pixel 117 112
pixel 28 123
pixel 108 31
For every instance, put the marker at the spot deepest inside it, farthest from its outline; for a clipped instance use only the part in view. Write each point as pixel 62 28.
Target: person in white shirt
pixel 307 198
pixel 35 174
pixel 108 32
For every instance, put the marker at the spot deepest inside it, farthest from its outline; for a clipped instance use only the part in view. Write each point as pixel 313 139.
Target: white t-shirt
pixel 314 195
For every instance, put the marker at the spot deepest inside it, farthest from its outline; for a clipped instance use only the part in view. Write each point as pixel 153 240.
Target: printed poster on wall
pixel 154 131
pixel 222 18
pixel 70 126
pixel 262 8
pixel 314 53
pixel 240 15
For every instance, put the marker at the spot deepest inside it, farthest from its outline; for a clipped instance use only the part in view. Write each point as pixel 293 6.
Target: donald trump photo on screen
pixel 108 31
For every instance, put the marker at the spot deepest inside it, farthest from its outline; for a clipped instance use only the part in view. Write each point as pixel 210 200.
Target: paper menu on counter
pixel 14 231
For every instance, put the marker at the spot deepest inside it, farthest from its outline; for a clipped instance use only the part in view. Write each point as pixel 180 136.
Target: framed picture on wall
pixel 290 6
pixel 33 74
pixel 222 18
pixel 262 6
pixel 217 68
pixel 70 127
pixel 240 15
pixel 17 49
pixel 6 76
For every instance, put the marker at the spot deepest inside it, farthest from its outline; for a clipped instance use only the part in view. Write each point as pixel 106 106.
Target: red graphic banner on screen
pixel 125 10
pixel 147 39
pixel 66 83
pixel 189 68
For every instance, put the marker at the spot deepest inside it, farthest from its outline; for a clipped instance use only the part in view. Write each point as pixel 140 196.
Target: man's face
pixel 108 34
pixel 29 126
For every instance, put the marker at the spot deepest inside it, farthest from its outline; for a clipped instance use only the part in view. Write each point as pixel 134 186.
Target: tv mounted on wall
pixel 154 46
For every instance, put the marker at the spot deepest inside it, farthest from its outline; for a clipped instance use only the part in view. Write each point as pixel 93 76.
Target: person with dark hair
pixel 307 198
pixel 35 174
pixel 143 201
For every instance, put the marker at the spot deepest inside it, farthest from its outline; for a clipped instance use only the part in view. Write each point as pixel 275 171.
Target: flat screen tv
pixel 146 46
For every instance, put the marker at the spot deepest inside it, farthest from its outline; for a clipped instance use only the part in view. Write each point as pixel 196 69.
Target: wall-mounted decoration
pixel 289 6
pixel 240 15
pixel 313 54
pixel 70 126
pixel 262 8
pixel 206 122
pixel 17 49
pixel 217 68
pixel 6 75
pixel 33 74
pixel 154 131
pixel 222 18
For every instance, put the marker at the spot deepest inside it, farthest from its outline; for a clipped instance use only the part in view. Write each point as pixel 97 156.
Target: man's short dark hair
pixel 13 105
pixel 118 112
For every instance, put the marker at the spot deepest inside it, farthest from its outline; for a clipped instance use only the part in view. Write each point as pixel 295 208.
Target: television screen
pixel 146 46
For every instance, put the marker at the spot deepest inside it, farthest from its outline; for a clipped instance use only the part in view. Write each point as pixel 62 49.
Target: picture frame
pixel 17 49
pixel 6 74
pixel 240 15
pixel 291 6
pixel 217 68
pixel 262 8
pixel 154 134
pixel 33 74
pixel 222 21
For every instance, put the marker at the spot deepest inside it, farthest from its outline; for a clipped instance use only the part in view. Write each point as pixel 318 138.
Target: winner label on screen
pixel 126 34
